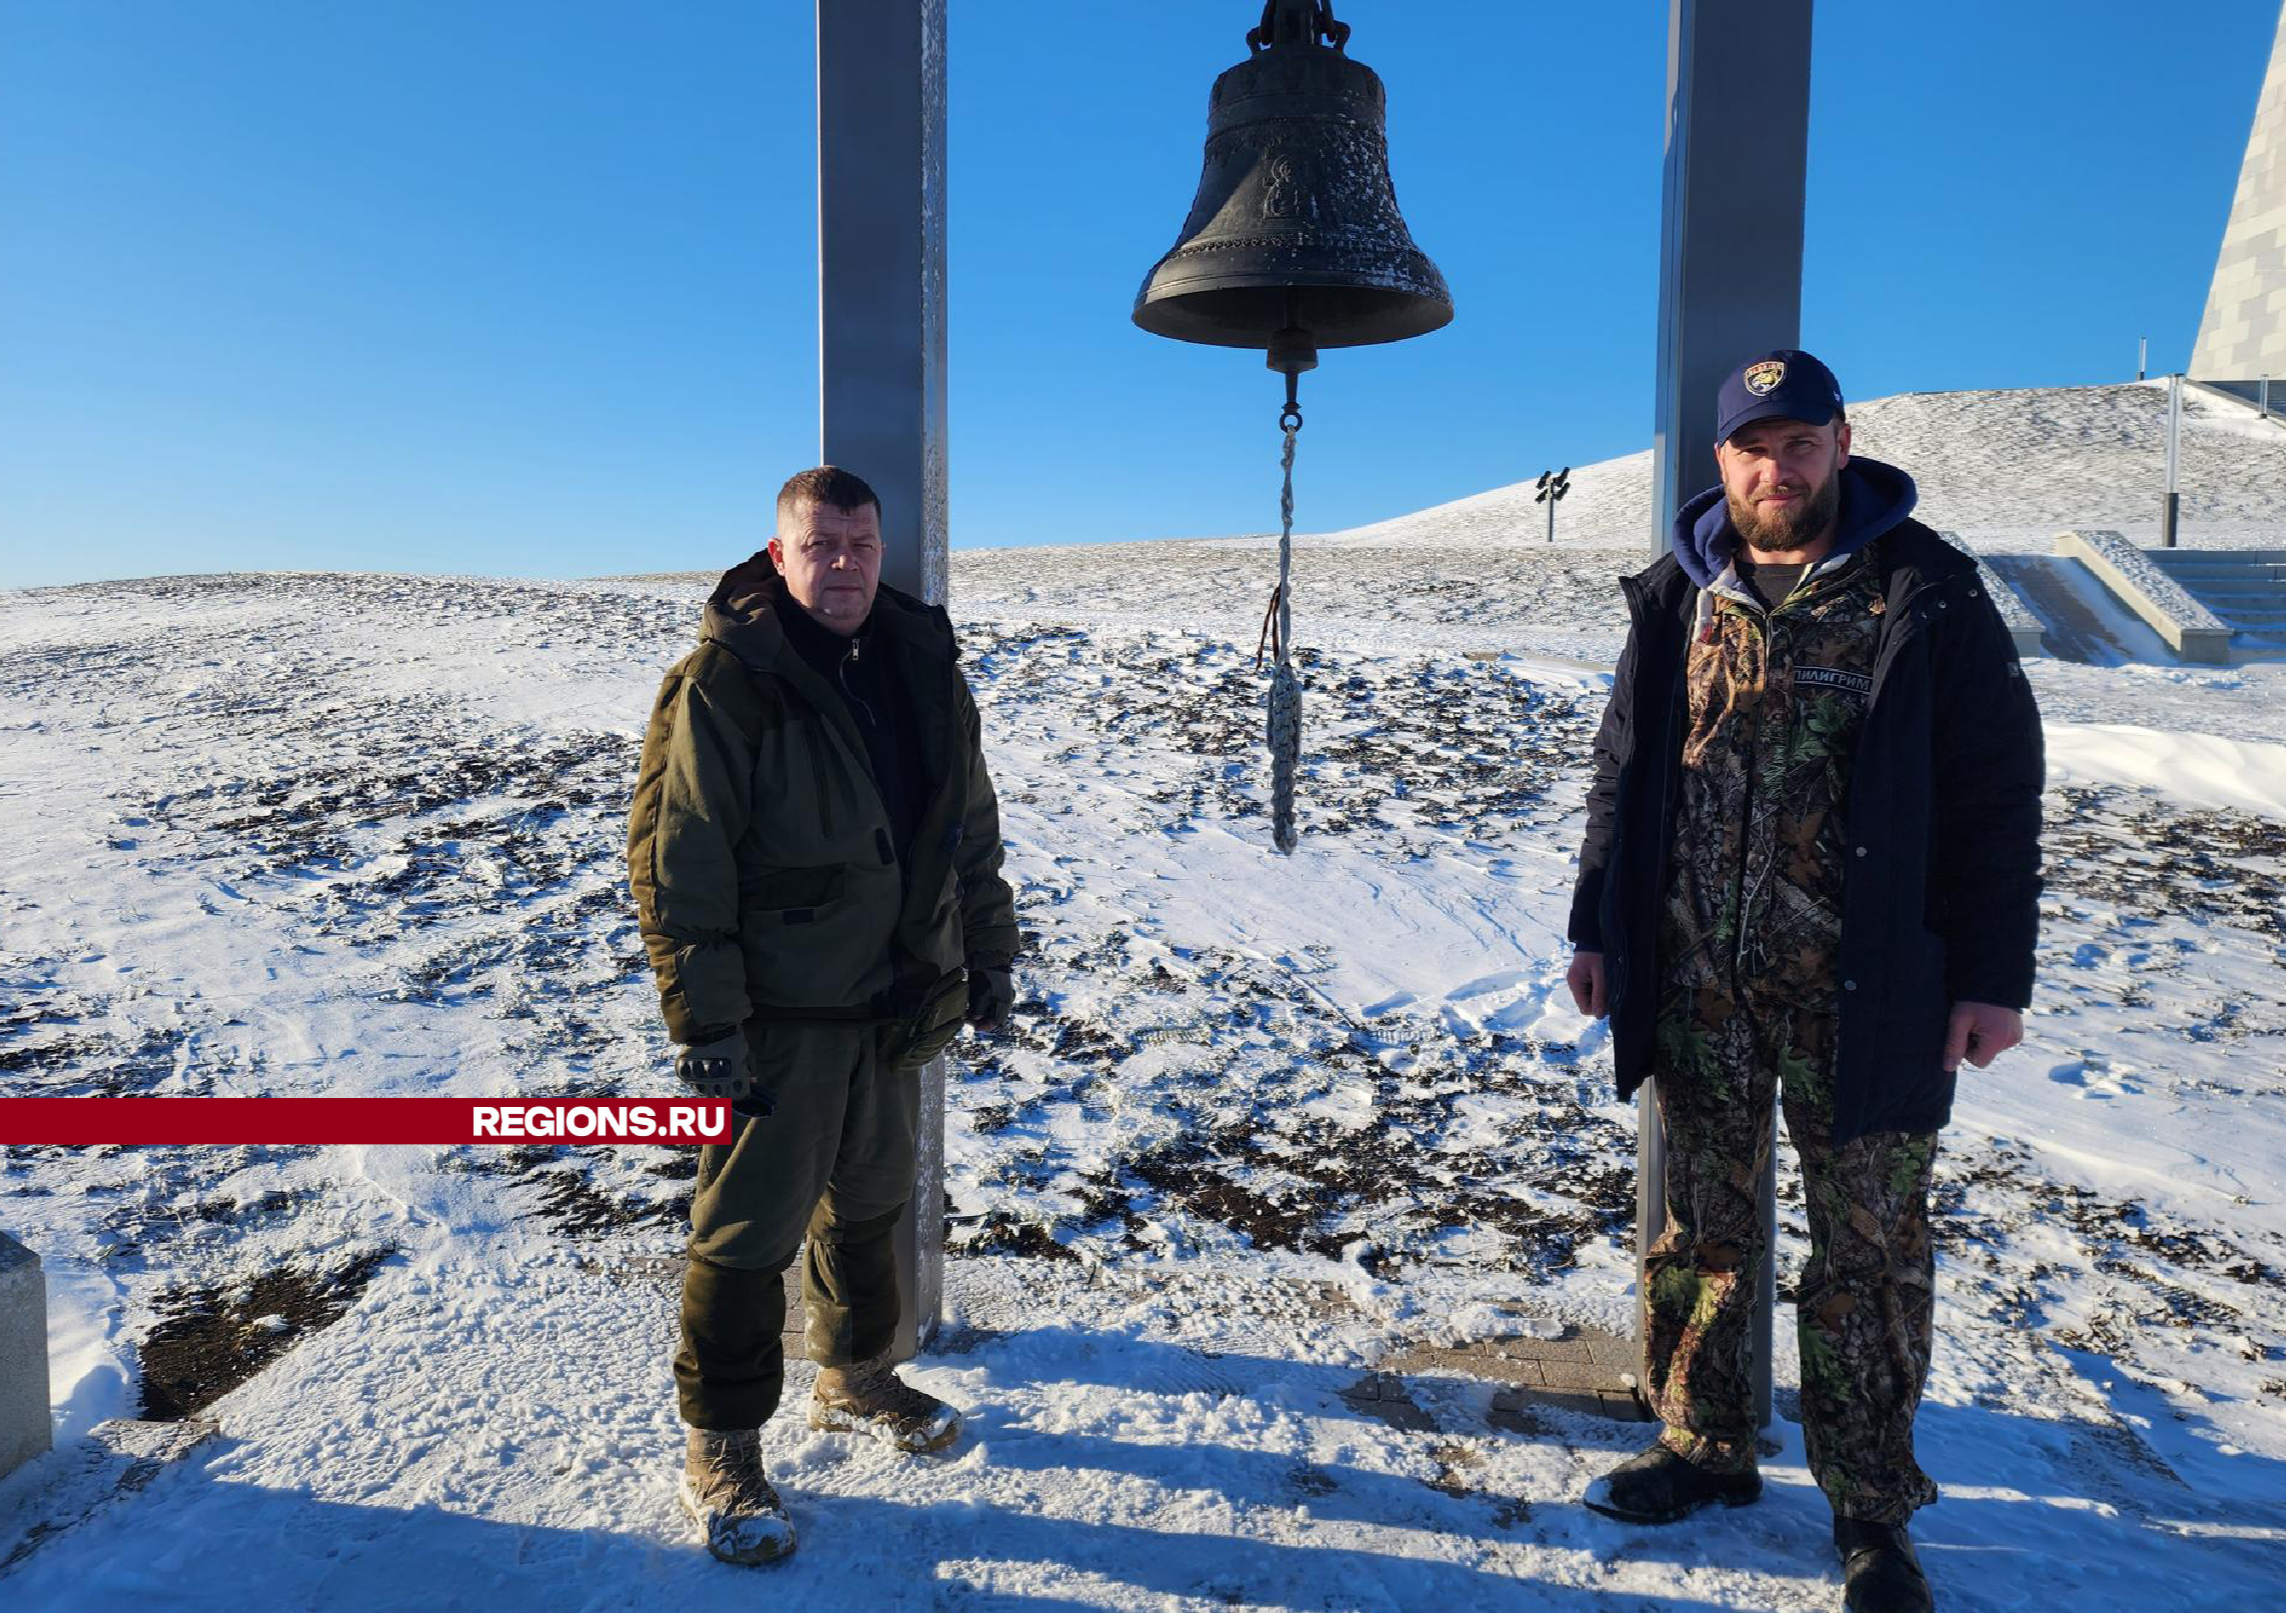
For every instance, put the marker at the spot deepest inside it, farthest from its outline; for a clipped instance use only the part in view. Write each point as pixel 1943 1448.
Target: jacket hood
pixel 1874 498
pixel 742 613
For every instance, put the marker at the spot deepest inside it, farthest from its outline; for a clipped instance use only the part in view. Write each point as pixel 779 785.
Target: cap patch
pixel 1762 379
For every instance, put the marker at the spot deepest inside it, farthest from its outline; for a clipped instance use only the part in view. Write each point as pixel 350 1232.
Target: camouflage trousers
pixel 1863 1310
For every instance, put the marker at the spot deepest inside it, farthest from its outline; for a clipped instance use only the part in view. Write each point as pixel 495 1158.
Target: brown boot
pixel 725 1490
pixel 869 1398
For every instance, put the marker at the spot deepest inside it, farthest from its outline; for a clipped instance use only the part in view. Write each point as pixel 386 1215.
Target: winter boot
pixel 1880 1572
pixel 1660 1486
pixel 725 1490
pixel 869 1398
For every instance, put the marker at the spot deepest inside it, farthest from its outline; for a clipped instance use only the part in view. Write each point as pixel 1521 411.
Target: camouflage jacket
pixel 1774 698
pixel 1939 840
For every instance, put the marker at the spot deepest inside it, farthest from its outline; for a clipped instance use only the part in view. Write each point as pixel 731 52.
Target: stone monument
pixel 2243 336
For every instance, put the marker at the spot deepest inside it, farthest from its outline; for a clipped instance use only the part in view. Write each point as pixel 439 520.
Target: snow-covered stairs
pixel 2245 587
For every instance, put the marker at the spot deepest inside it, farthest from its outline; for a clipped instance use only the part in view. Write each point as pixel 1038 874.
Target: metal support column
pixel 881 386
pixel 2171 510
pixel 1730 286
pixel 24 1426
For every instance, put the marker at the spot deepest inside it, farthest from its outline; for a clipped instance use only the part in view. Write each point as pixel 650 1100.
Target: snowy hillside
pixel 2003 467
pixel 1260 1127
pixel 2000 472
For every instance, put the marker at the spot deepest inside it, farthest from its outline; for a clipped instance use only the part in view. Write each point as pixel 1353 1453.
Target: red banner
pixel 80 1122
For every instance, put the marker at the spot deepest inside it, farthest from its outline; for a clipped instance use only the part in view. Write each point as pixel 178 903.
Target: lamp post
pixel 1553 487
pixel 2171 509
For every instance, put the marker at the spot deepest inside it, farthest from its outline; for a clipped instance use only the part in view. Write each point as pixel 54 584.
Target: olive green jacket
pixel 766 876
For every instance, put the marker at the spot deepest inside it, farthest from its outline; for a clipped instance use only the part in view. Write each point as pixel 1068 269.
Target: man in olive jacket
pixel 815 855
pixel 1810 874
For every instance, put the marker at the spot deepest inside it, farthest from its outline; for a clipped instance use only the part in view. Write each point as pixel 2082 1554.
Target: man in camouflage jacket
pixel 1810 872
pixel 815 856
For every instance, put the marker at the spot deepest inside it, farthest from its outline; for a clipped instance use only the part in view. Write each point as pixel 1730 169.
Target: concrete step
pixel 2247 593
pixel 2246 588
pixel 2220 568
pixel 2228 579
pixel 2168 559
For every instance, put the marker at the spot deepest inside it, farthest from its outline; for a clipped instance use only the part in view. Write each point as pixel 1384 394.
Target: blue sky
pixel 527 288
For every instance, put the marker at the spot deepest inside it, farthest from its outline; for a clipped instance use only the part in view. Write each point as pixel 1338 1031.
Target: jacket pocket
pixel 816 938
pixel 790 890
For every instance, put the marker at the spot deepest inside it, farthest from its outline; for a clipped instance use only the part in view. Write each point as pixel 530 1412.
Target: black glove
pixel 717 1067
pixel 991 993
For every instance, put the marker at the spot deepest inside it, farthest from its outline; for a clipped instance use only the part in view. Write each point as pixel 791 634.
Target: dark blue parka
pixel 1942 897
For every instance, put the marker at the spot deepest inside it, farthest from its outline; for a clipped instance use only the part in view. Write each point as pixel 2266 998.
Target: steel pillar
pixel 24 1427
pixel 881 268
pixel 2171 508
pixel 1730 286
pixel 881 386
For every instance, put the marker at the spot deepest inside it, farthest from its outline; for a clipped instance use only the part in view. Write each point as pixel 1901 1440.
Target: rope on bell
pixel 1285 686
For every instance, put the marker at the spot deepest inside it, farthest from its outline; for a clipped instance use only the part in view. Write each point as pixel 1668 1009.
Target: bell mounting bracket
pixel 1298 22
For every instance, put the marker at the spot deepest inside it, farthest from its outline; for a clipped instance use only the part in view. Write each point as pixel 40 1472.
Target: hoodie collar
pixel 1874 499
pixel 742 614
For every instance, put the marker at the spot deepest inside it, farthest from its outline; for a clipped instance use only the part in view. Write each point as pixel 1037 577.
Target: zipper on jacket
pixel 1750 758
pixel 1746 832
pixel 841 676
pixel 818 778
pixel 1770 640
pixel 881 841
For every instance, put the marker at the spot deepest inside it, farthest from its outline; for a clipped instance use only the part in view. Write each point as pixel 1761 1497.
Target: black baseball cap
pixel 1787 384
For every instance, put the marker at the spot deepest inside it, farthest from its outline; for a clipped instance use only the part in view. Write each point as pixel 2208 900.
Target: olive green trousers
pixel 830 1165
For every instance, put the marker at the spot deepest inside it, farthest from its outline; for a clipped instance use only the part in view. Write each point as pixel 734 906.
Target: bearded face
pixel 1786 522
pixel 1782 482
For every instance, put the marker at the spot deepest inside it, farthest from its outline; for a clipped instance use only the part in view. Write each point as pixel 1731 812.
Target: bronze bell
pixel 1295 241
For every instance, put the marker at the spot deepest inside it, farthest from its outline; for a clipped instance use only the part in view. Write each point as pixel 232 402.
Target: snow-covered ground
pixel 1259 1127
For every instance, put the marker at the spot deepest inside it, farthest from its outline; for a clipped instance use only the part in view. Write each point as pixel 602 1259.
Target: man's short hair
pixel 829 485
